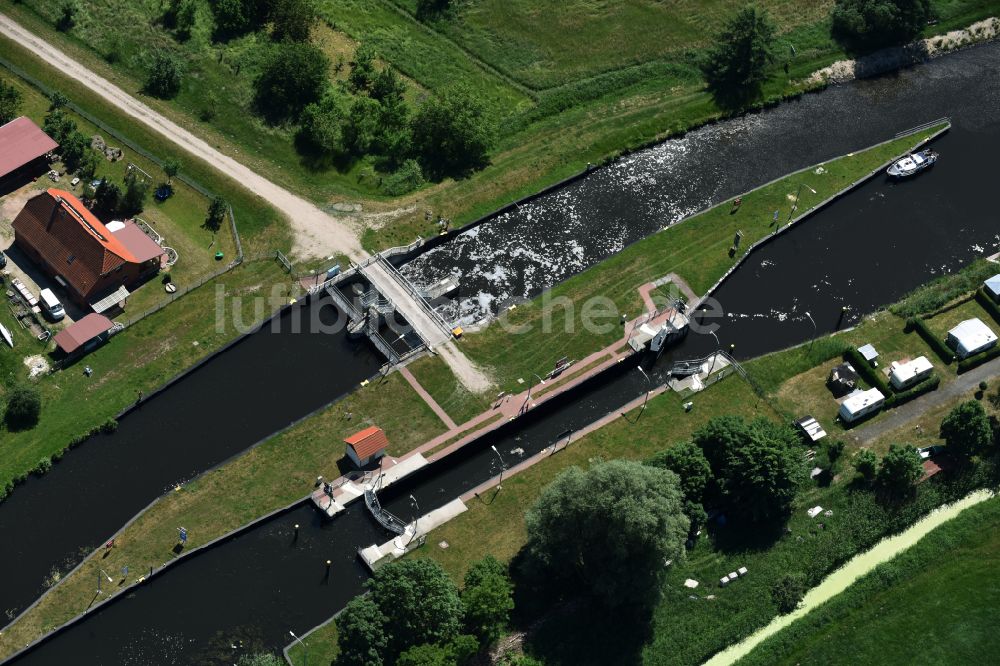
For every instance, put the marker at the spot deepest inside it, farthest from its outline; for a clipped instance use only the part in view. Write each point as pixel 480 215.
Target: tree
pixel 322 127
pixel 164 77
pixel 872 24
pixel 361 131
pixel 453 133
pixel 57 100
pixel 292 19
pixel 736 66
pixel 788 591
pixel 67 15
pixel 170 168
pixel 866 462
pixel 58 125
pixel 233 17
pixel 488 600
pixel 756 464
pixel 387 86
pixel 362 68
pixel 185 19
pixel 108 197
pixel 688 462
pixel 966 430
pixel 88 166
pixel 293 77
pixel 134 199
pixel 260 659
pixel 10 103
pixel 609 529
pixel 901 468
pixel 24 406
pixel 361 634
pixel 216 213
pixel 408 177
pixel 74 149
pixel 419 602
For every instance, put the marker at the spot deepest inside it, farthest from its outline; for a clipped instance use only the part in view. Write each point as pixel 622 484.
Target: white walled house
pixel 860 404
pixel 905 375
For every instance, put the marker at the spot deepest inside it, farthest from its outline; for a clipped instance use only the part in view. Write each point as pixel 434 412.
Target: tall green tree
pixel 67 15
pixel 108 197
pixel 164 77
pixel 293 77
pixel 901 468
pixel 967 430
pixel 872 24
pixel 58 125
pixel 488 599
pixel 361 634
pixel 291 19
pixel 24 407
pixel 609 529
pixel 453 133
pixel 134 198
pixel 866 462
pixel 363 70
pixel 216 213
pixel 10 103
pixel 321 130
pixel 74 149
pixel 688 462
pixel 757 464
pixel 736 65
pixel 419 602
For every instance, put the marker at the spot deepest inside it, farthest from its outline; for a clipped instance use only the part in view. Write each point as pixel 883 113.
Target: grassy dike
pixel 697 249
pixel 932 604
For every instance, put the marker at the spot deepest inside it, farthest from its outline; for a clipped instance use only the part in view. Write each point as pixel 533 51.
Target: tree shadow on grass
pixel 741 535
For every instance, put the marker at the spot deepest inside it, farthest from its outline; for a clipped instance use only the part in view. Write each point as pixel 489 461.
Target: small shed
pixel 860 404
pixel 992 286
pixel 366 446
pixel 971 337
pixel 905 375
pixel 869 354
pixel 843 379
pixel 84 335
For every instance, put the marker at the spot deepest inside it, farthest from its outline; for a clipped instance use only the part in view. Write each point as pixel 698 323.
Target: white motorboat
pixel 7 337
pixel 912 164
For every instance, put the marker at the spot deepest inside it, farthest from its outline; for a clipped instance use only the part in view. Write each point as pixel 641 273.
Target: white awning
pixel 111 300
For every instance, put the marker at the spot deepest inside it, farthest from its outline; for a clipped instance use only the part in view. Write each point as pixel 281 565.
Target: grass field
pixel 933 604
pixel 572 83
pixel 618 277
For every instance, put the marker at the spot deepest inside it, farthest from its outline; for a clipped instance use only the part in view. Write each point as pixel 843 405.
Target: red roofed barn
pixel 366 446
pixel 23 147
pixel 58 232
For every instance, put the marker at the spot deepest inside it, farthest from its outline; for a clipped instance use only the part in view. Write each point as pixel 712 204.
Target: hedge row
pixel 940 348
pixel 988 303
pixel 870 374
pixel 977 360
pixel 926 386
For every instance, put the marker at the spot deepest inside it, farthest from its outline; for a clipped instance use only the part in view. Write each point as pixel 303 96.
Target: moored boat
pixel 7 337
pixel 912 164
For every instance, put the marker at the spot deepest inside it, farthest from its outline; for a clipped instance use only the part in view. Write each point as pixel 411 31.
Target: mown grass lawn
pixel 437 379
pixel 933 604
pixel 696 249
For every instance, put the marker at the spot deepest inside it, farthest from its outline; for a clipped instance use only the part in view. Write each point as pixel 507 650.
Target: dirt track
pixel 315 232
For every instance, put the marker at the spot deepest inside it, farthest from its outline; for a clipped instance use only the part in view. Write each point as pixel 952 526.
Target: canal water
pixel 519 253
pixel 264 382
pixel 864 250
pixel 868 248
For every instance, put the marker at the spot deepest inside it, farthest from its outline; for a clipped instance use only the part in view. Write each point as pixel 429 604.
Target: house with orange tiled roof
pixel 366 446
pixel 94 264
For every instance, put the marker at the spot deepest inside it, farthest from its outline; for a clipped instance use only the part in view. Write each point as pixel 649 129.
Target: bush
pixel 988 304
pixel 971 362
pixel 453 133
pixel 293 76
pixel 10 103
pixel 164 77
pixel 406 178
pixel 24 406
pixel 940 348
pixel 865 369
pixel 43 466
pixel 788 591
pixel 926 386
pixel 866 462
pixel 938 293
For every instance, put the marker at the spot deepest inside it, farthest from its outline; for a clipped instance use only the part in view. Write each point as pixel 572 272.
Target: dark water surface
pixel 260 385
pixel 867 249
pixel 519 253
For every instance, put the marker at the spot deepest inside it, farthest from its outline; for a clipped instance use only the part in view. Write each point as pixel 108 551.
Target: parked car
pixel 74 182
pixel 930 451
pixel 53 308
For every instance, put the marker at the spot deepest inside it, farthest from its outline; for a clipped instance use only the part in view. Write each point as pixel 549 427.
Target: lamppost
pixel 305 650
pixel 718 346
pixel 100 573
pixel 503 466
pixel 815 331
pixel 795 204
pixel 531 386
pixel 649 389
pixel 415 519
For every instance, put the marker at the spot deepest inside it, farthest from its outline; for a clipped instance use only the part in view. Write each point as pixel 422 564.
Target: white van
pixel 51 305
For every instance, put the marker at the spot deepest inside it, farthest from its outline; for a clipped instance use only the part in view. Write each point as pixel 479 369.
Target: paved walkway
pixel 426 397
pixel 914 409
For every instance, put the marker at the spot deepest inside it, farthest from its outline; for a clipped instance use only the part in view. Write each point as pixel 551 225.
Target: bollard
pixel 328 563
